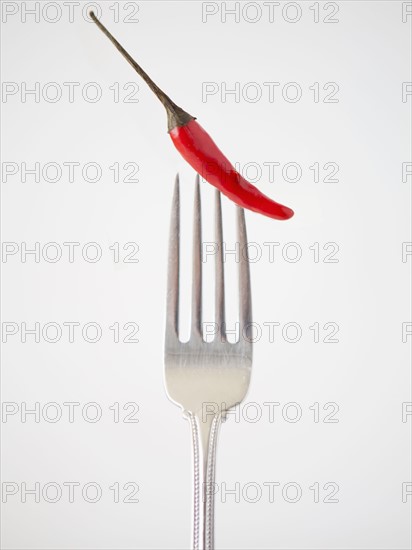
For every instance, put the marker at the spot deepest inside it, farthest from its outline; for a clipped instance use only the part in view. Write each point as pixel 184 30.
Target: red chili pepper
pixel 200 151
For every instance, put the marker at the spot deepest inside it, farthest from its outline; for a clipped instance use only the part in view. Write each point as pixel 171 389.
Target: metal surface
pixel 206 379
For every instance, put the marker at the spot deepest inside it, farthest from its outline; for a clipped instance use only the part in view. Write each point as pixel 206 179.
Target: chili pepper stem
pixel 176 116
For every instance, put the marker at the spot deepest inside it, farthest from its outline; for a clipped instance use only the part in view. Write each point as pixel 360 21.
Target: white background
pixel 366 213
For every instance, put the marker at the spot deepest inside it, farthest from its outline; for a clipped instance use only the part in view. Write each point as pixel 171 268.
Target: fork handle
pixel 204 440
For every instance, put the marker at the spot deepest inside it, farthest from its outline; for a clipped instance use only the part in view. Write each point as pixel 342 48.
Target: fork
pixel 206 379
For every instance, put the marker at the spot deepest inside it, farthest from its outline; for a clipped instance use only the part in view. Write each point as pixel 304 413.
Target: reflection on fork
pixel 198 373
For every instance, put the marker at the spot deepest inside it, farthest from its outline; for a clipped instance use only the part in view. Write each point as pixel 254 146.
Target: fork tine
pixel 245 302
pixel 197 265
pixel 219 276
pixel 172 309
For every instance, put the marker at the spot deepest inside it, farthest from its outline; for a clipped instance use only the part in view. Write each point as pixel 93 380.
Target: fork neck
pixel 204 436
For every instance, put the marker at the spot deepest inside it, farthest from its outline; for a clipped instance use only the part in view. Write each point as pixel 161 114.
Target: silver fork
pixel 206 379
